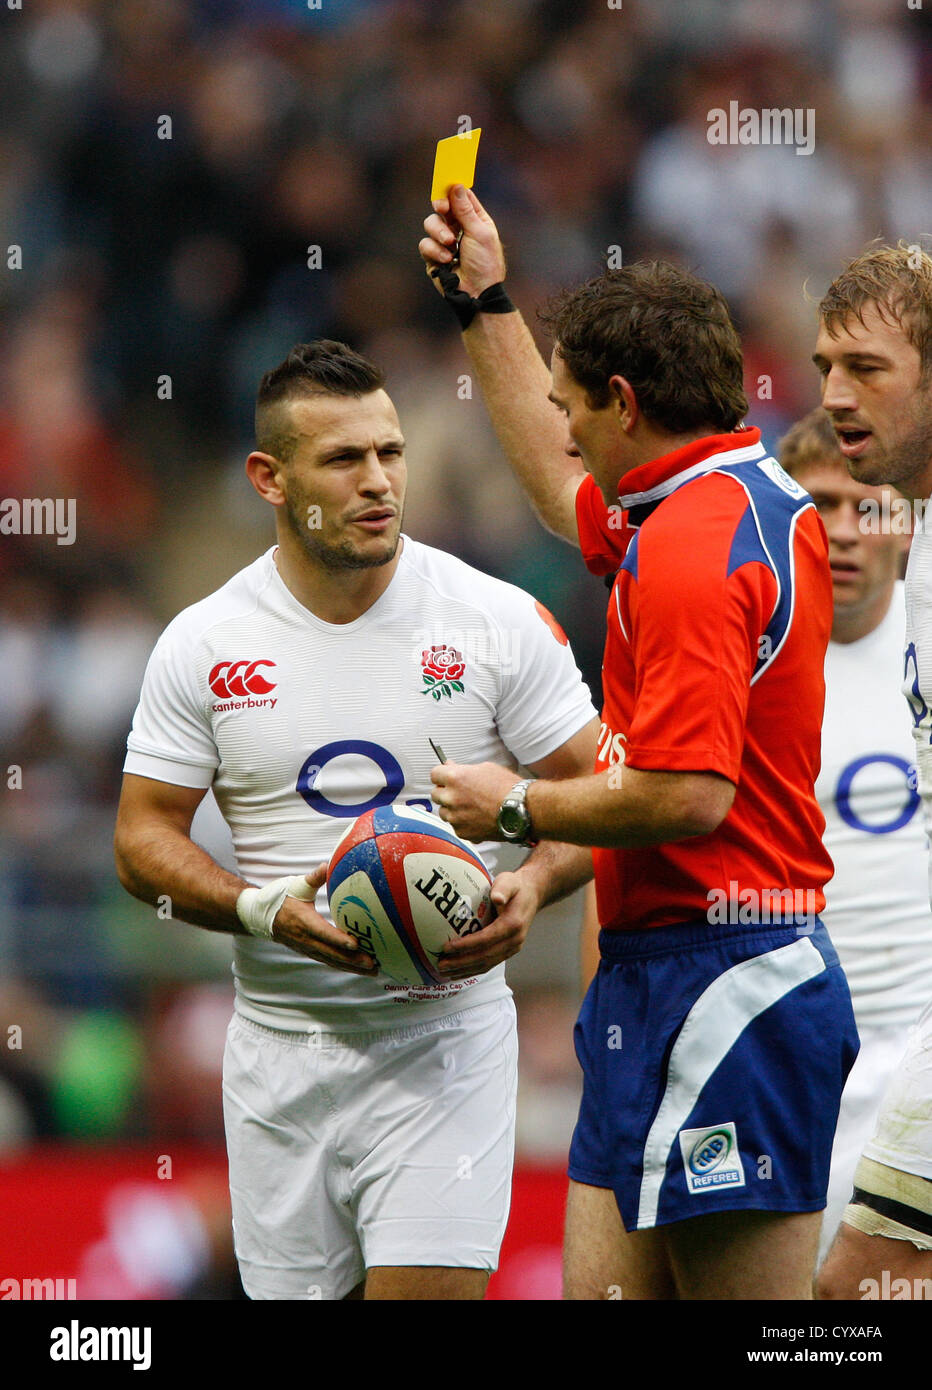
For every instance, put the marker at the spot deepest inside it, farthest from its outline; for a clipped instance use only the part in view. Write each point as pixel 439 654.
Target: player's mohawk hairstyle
pixel 898 281
pixel 322 367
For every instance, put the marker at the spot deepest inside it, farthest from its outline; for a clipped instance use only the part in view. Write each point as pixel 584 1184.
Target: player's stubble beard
pixel 343 555
pixel 904 460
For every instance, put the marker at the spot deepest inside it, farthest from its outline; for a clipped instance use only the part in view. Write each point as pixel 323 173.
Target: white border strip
pixel 724 460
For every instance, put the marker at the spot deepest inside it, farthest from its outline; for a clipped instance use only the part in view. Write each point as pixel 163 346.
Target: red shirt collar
pixel 659 477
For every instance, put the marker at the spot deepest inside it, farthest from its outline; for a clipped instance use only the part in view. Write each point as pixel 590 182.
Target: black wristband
pixel 465 306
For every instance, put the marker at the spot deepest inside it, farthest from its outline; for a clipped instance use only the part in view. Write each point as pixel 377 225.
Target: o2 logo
pixel 918 706
pixel 843 794
pixel 386 762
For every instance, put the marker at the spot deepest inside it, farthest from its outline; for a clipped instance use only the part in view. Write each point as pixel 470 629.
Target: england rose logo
pixel 443 667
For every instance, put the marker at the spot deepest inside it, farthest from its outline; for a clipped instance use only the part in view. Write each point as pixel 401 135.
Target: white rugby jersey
pixel 917 667
pixel 877 905
pixel 300 725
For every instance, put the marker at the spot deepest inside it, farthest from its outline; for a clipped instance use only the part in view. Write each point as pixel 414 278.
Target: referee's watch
pixel 514 819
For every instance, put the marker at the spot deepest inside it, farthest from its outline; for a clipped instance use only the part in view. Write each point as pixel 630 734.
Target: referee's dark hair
pixel 323 367
pixel 667 332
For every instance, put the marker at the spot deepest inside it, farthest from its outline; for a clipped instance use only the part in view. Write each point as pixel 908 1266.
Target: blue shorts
pixel 714 1059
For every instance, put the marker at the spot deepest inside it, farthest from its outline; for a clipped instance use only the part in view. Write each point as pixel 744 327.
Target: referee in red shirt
pixel 718 1032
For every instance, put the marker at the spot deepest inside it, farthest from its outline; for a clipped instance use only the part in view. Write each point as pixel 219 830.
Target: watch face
pixel 511 821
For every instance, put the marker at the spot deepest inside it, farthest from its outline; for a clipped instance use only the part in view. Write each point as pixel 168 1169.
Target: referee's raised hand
pixel 459 230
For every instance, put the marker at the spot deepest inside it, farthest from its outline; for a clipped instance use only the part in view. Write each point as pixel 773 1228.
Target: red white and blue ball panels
pixel 403 883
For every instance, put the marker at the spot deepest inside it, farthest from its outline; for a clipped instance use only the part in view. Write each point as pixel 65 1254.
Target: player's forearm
pixel 166 868
pixel 556 870
pixel 515 382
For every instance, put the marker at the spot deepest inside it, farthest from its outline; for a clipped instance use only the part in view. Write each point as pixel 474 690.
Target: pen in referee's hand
pixel 442 757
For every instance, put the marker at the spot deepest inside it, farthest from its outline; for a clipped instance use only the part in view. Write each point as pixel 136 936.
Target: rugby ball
pixel 403 883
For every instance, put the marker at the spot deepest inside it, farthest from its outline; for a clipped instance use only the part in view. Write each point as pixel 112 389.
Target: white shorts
pixel 893 1182
pixel 903 1136
pixel 349 1152
pixel 881 1050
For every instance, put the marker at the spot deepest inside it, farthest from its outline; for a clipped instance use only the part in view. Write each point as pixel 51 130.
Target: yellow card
pixel 455 162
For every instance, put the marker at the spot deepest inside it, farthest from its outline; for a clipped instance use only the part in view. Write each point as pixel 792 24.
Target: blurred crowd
pixel 187 188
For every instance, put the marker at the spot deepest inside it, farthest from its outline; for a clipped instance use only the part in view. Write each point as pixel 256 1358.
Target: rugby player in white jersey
pixel 874 354
pixel 877 905
pixel 369 1126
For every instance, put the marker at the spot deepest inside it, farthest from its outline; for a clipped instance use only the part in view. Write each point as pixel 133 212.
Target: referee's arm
pixel 514 379
pixel 619 808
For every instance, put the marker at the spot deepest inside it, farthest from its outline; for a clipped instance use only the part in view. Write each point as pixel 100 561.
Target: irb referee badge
pixel 711 1158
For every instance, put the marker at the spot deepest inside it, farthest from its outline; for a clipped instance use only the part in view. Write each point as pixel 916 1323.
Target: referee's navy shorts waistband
pixel 619 945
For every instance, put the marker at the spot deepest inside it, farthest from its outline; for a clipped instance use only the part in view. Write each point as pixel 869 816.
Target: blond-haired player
pixel 874 354
pixel 877 906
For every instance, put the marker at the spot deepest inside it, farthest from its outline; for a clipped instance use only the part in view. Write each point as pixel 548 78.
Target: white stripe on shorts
pixel 710 1029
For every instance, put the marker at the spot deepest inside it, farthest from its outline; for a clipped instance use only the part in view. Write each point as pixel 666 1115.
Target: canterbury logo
pixel 239 678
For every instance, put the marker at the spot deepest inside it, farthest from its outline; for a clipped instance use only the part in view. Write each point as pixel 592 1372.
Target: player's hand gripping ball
pixel 403 883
